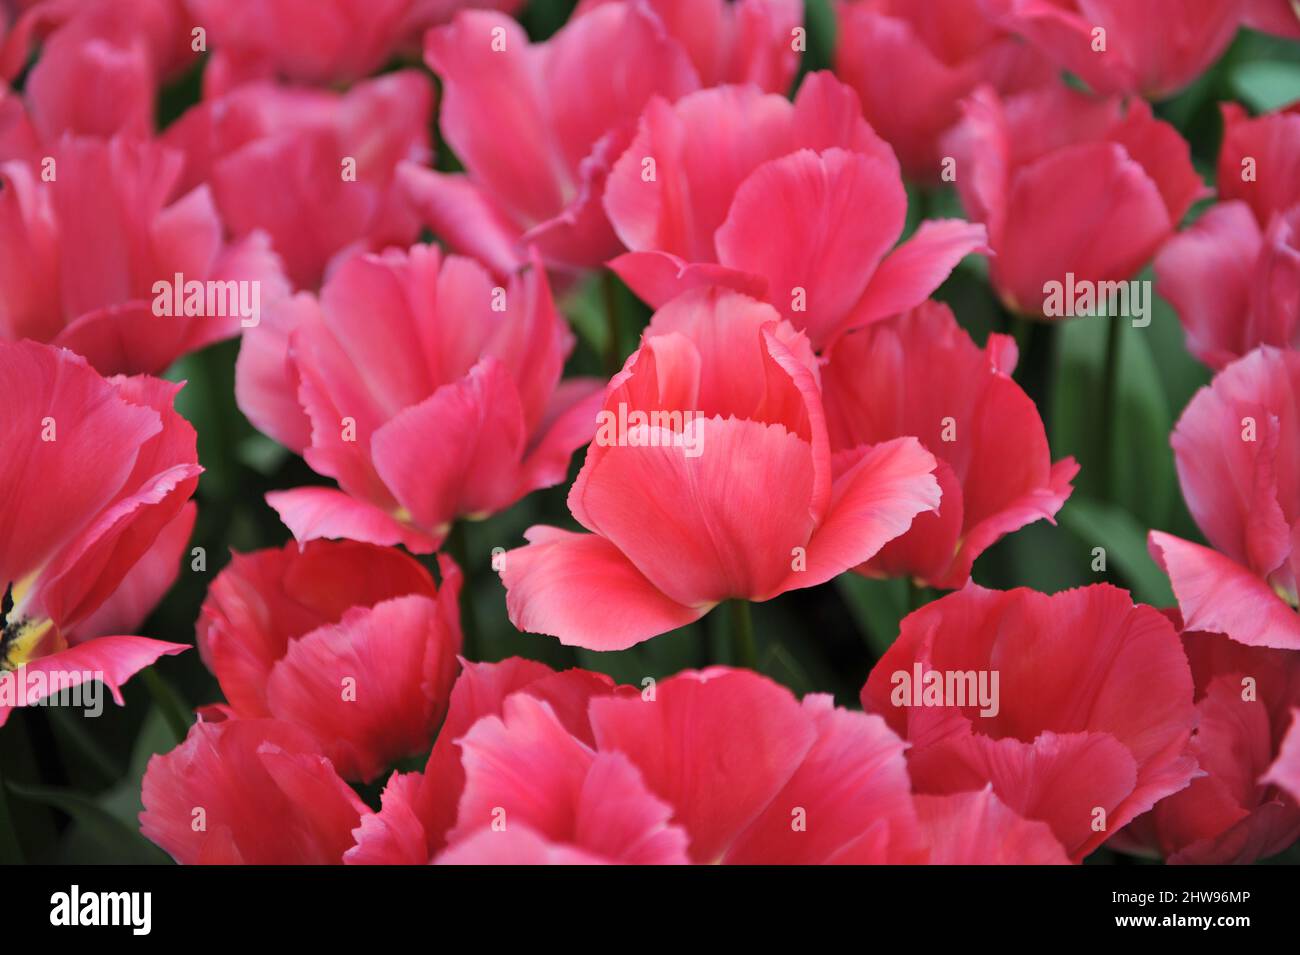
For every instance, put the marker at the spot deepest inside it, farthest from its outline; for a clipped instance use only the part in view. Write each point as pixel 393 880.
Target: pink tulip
pixel 425 389
pixel 1234 276
pixel 913 63
pixel 718 766
pixel 1285 772
pixel 796 203
pixel 1229 815
pixel 248 792
pixel 101 62
pixel 715 422
pixel 314 170
pixel 94 487
pixel 420 809
pixel 1153 48
pixel 713 766
pixel 750 41
pixel 316 42
pixel 1073 189
pixel 352 642
pixel 85 240
pixel 1233 447
pixel 1076 708
pixel 1274 16
pixel 303 41
pixel 537 127
pixel 537 767
pixel 920 374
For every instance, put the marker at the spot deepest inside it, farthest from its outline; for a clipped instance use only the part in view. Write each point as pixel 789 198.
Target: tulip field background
pixel 73 785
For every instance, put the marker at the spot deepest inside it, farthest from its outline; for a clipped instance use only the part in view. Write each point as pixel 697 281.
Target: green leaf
pixel 1141 477
pixel 877 606
pixel 123 844
pixel 1142 463
pixel 11 850
pixel 1099 524
pixel 819 20
pixel 174 709
pixel 1266 85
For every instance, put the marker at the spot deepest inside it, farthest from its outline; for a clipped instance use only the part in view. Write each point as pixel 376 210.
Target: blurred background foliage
pixel 72 785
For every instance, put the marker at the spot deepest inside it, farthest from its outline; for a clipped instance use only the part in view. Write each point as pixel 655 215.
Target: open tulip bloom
pixel 649 432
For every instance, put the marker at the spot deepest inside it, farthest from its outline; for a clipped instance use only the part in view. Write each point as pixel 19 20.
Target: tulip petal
pixel 316 512
pixel 872 503
pixel 1218 595
pixel 582 590
pixel 111 660
pixel 843 212
pixel 716 745
pixel 977 828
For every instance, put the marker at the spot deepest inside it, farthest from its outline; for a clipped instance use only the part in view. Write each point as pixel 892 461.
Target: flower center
pixel 19 637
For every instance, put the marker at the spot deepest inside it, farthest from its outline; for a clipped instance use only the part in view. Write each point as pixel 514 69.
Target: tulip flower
pixel 536 767
pixel 718 765
pixel 1076 708
pixel 798 204
pixel 352 642
pixel 315 42
pixel 920 374
pixel 537 127
pixel 1280 17
pixel 419 809
pixel 1232 447
pixel 425 389
pixel 1285 772
pixel 1153 48
pixel 100 257
pixel 710 478
pixel 94 514
pixel 314 170
pixel 248 792
pixel 749 41
pixel 1230 814
pixel 101 63
pixel 1234 275
pixel 1075 191
pixel 913 63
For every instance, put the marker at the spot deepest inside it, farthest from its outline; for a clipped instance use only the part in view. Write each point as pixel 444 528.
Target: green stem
pixel 458 547
pixel 11 850
pixel 1036 367
pixel 917 596
pixel 613 351
pixel 744 651
pixel 1109 400
pixel 164 697
pixel 73 729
